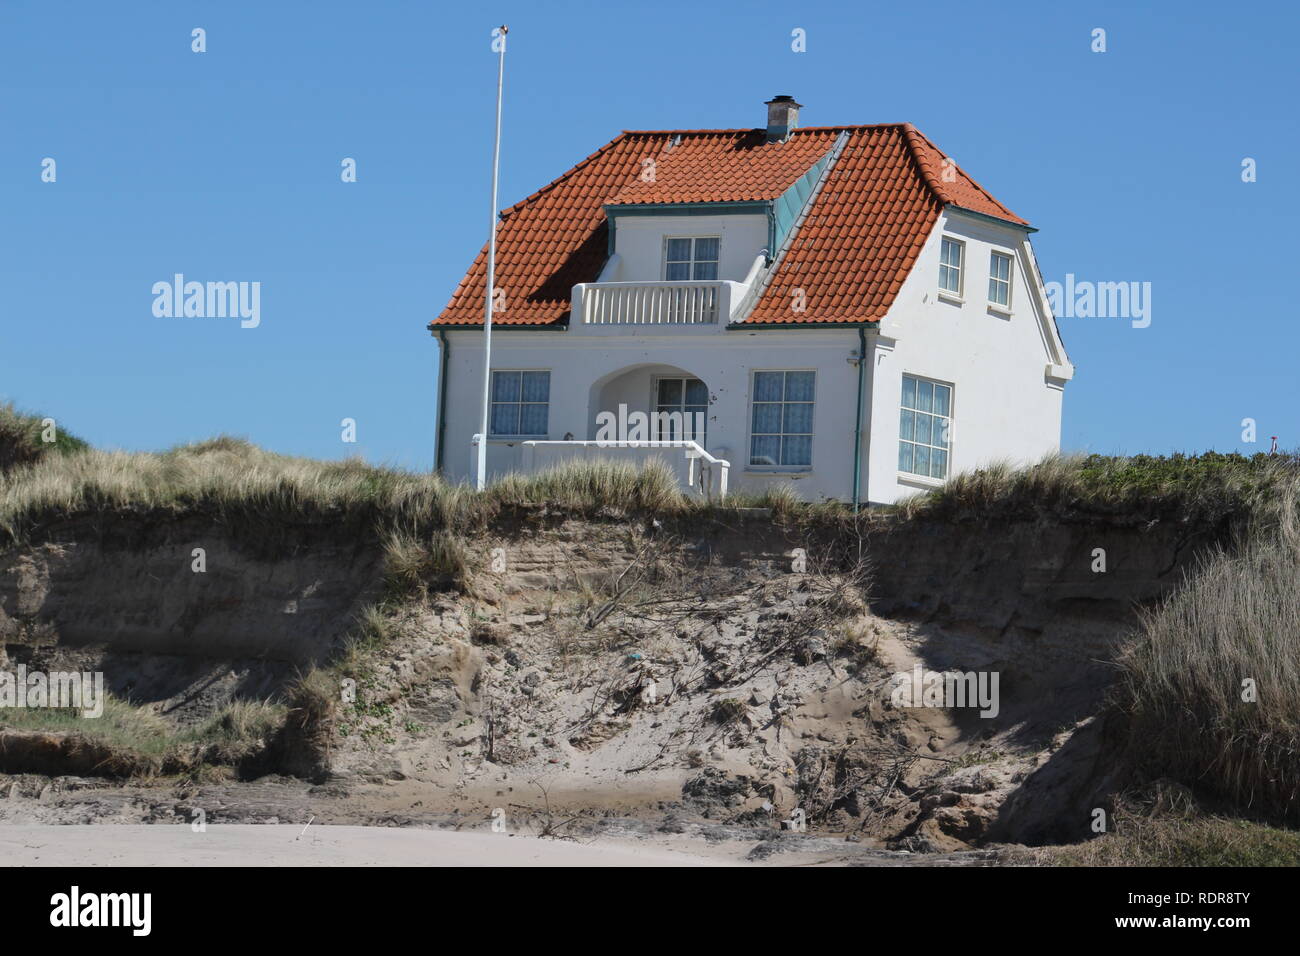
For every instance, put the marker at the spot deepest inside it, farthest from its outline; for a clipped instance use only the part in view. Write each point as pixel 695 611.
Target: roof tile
pixel 860 239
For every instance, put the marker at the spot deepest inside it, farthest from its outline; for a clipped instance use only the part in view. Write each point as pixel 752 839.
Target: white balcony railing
pixel 654 303
pixel 606 302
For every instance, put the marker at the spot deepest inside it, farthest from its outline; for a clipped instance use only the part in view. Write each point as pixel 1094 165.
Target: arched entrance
pixel 650 403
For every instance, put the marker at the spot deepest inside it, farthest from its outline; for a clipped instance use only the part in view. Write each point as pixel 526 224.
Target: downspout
pixel 442 398
pixel 857 417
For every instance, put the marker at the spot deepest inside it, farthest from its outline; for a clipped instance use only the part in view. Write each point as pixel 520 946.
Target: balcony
pixel 654 303
pixel 665 304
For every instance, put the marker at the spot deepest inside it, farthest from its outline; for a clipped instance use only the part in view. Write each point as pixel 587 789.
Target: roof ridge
pixel 840 127
pixel 910 136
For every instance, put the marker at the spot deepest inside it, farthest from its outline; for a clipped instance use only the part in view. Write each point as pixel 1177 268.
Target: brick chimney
pixel 782 117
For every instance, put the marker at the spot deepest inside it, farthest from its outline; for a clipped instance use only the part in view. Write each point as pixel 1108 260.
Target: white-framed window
pixel 924 427
pixel 781 423
pixel 692 258
pixel 520 402
pixel 952 258
pixel 689 399
pixel 1000 279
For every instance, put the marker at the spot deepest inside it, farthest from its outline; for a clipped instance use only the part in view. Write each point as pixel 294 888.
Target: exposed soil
pixel 122 596
pixel 619 680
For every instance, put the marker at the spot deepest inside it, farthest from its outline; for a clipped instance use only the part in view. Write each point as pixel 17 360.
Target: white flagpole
pixel 480 472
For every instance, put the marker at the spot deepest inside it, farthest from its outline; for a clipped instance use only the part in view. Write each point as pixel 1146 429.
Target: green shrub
pixel 1190 488
pixel 22 439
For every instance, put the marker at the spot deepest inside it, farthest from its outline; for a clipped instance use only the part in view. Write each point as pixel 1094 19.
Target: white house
pixel 843 306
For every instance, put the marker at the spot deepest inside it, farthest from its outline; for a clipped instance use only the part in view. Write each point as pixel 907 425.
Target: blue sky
pixel 225 165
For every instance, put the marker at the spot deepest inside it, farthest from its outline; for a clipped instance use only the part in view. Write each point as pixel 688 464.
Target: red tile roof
pixel 723 166
pixel 861 236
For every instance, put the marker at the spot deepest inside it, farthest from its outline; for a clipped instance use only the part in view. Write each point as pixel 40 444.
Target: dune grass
pixel 1212 841
pixel 138 741
pixel 1204 487
pixel 412 560
pixel 1162 825
pixel 231 477
pixel 23 438
pixel 122 725
pixel 1211 684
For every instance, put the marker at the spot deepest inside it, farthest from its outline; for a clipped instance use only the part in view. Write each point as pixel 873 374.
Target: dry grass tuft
pixel 414 562
pixel 1163 826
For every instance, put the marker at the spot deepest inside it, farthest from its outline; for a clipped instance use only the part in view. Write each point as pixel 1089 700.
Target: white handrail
pixel 693 451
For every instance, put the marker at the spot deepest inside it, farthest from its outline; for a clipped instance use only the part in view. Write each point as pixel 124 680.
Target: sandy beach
pixel 263 845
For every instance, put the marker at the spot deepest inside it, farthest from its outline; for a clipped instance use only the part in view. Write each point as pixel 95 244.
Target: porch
pixel 635 414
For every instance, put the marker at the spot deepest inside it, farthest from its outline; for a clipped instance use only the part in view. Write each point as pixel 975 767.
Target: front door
pixel 682 409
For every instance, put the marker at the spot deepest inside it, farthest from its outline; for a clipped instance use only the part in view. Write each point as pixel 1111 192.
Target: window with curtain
pixel 923 429
pixel 520 403
pixel 691 259
pixel 781 427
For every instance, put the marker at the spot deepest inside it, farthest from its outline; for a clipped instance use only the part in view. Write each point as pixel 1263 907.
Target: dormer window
pixel 691 259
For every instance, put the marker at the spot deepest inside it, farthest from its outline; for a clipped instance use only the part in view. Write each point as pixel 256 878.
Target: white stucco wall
pixel 1005 405
pixel 591 371
pixel 639 242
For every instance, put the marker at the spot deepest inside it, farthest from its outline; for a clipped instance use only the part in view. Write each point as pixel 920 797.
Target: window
pixel 1000 279
pixel 688 259
pixel 952 254
pixel 689 398
pixel 781 432
pixel 520 401
pixel 923 439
